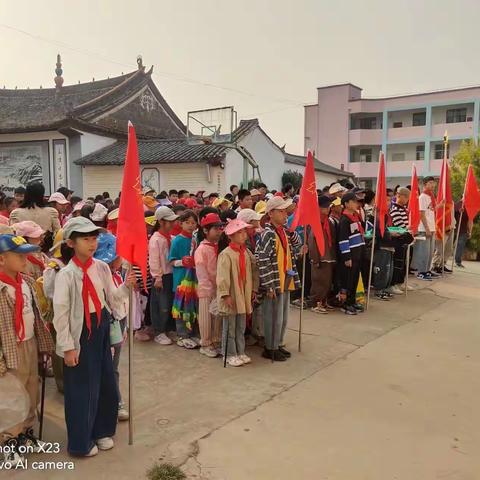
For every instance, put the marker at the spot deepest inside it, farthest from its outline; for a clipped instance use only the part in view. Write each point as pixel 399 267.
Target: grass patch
pixel 165 471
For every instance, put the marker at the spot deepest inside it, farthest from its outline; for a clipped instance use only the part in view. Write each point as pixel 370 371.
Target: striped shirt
pixel 399 215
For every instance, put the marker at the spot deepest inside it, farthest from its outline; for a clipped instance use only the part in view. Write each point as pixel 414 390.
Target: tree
pixel 469 152
pixel 293 177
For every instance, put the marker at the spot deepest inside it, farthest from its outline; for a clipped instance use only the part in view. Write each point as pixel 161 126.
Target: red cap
pixel 211 219
pixel 191 203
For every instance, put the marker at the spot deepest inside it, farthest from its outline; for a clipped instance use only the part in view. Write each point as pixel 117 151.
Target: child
pixel 107 252
pixel 252 218
pixel 323 265
pixel 184 309
pixel 352 250
pixel 161 297
pixel 23 335
pixel 83 289
pixel 276 254
pixel 237 283
pixel 211 228
pixel 33 234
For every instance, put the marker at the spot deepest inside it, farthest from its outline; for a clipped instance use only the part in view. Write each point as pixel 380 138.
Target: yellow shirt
pixel 280 261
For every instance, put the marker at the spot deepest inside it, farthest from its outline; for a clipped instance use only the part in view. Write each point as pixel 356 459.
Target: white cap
pixel 248 215
pixel 59 198
pixel 278 203
pixel 336 188
pixel 99 213
pixel 165 213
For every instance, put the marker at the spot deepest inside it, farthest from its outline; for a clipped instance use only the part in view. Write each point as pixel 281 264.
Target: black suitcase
pixel 382 269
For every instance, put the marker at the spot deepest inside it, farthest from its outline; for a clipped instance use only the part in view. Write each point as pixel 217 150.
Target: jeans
pixel 437 255
pixel 116 361
pixel 234 331
pixel 423 253
pixel 161 305
pixel 462 242
pixel 275 319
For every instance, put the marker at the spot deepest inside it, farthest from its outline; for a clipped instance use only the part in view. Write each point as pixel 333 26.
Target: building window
pixel 457 115
pixel 439 151
pixel 419 119
pixel 398 157
pixel 366 155
pixel 368 123
pixel 420 153
pixel 397 124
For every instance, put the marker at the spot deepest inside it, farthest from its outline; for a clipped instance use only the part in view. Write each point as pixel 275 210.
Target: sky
pixel 264 57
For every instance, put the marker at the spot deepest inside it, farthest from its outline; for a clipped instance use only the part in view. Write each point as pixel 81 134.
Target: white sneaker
pixel 105 443
pixel 122 413
pixel 394 289
pixel 187 343
pixel 209 352
pixel 245 359
pixel 10 453
pixel 162 339
pixel 234 361
pixel 196 340
pixel 93 451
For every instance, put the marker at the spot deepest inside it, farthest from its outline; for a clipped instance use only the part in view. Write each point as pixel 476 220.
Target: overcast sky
pixel 267 55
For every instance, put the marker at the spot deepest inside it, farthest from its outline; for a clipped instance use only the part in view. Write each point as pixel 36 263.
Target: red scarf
pixel 17 284
pixel 36 261
pixel 186 234
pixel 117 279
pixel 167 236
pixel 213 245
pixel 354 218
pixel 432 196
pixel 326 229
pixel 242 278
pixel 280 231
pixel 88 290
pixel 176 230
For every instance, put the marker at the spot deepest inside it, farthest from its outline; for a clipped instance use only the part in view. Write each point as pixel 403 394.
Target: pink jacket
pixel 206 269
pixel 158 256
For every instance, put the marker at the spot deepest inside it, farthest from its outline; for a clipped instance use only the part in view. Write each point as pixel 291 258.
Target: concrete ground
pixel 389 394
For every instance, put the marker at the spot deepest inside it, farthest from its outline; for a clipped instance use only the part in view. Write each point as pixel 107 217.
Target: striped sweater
pixel 267 258
pixel 350 239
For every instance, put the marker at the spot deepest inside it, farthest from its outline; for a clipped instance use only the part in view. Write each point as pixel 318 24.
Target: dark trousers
pixel 349 277
pixel 462 242
pixel 91 400
pixel 399 264
pixel 161 306
pixel 321 275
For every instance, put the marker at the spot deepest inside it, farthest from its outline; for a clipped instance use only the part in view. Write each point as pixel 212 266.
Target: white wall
pixel 91 142
pixel 404 116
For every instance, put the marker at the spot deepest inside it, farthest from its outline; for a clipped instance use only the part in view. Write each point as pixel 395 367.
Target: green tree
pixel 469 153
pixel 295 178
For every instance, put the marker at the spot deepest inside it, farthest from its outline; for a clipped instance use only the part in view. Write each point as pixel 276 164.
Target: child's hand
pixel 71 358
pixel 271 294
pixel 254 297
pixel 131 280
pixel 188 262
pixel 158 283
pixel 228 301
pixel 348 263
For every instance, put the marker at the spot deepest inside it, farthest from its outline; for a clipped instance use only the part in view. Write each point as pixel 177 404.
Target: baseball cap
pixel 348 197
pixel 211 219
pixel 191 203
pixel 324 201
pixel 17 244
pixel 79 225
pixel 28 228
pixel 78 206
pixel 99 213
pixel 235 226
pixel 106 248
pixel 278 203
pixel 165 213
pixel 254 192
pixel 336 188
pixel 336 202
pixel 59 198
pixel 248 215
pixel 261 207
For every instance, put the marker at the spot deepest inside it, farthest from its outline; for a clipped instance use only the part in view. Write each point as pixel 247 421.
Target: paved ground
pixel 391 394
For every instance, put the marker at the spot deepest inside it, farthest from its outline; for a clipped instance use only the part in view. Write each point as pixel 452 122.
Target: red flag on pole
pixel 413 204
pixel 308 211
pixel 132 243
pixel 444 193
pixel 381 194
pixel 471 197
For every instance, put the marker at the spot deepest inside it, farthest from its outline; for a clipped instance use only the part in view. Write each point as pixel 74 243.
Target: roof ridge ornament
pixel 140 62
pixel 58 71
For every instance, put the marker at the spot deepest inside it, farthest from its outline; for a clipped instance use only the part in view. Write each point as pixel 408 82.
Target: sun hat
pixel 278 203
pixel 79 225
pixel 165 213
pixel 99 213
pixel 235 226
pixel 28 228
pixel 336 188
pixel 59 198
pixel 106 248
pixel 221 200
pixel 78 206
pixel 16 244
pixel 261 207
pixel 248 215
pixel 211 219
pixel 113 215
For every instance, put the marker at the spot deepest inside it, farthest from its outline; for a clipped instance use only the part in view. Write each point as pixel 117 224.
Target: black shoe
pixel 358 307
pixel 284 352
pixel 274 355
pixel 348 310
pixel 382 296
pixel 447 270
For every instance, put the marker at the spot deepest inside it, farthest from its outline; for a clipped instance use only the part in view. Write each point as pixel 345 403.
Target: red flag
pixel 444 214
pixel 471 197
pixel 308 211
pixel 381 194
pixel 132 243
pixel 413 205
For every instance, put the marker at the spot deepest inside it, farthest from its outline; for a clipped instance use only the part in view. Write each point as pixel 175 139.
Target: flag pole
pixel 371 257
pixel 130 363
pixel 407 268
pixel 459 223
pixel 444 188
pixel 303 290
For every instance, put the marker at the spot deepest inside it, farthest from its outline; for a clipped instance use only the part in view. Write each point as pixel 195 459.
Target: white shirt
pixel 28 314
pixel 426 206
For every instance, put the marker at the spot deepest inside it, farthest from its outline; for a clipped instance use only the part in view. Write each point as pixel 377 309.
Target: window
pixel 420 153
pixel 419 119
pixel 457 115
pixel 439 151
pixel 398 157
pixel 397 124
pixel 368 123
pixel 366 155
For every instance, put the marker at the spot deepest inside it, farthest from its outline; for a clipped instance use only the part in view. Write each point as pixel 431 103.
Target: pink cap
pixel 59 198
pixel 78 206
pixel 235 226
pixel 28 228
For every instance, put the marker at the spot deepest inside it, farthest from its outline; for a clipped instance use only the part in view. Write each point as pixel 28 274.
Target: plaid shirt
pixel 8 337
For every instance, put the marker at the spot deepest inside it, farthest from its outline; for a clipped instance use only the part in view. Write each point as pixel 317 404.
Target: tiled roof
pixel 319 166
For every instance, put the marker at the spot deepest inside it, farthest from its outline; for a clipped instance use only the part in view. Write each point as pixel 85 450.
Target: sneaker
pixel 298 303
pixel 245 359
pixel 196 340
pixel 460 265
pixel 424 276
pixel 329 307
pixel 348 310
pixel 447 270
pixel 284 351
pixel 93 451
pixel 122 413
pixel 234 361
pixel 187 343
pixel 382 296
pixel 142 336
pixel 434 274
pixel 162 339
pixel 358 307
pixel 274 355
pixel 319 309
pixel 11 454
pixel 395 290
pixel 105 443
pixel 28 439
pixel 209 352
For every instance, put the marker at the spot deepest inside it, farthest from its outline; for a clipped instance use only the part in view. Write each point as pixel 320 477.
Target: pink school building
pixel 348 131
